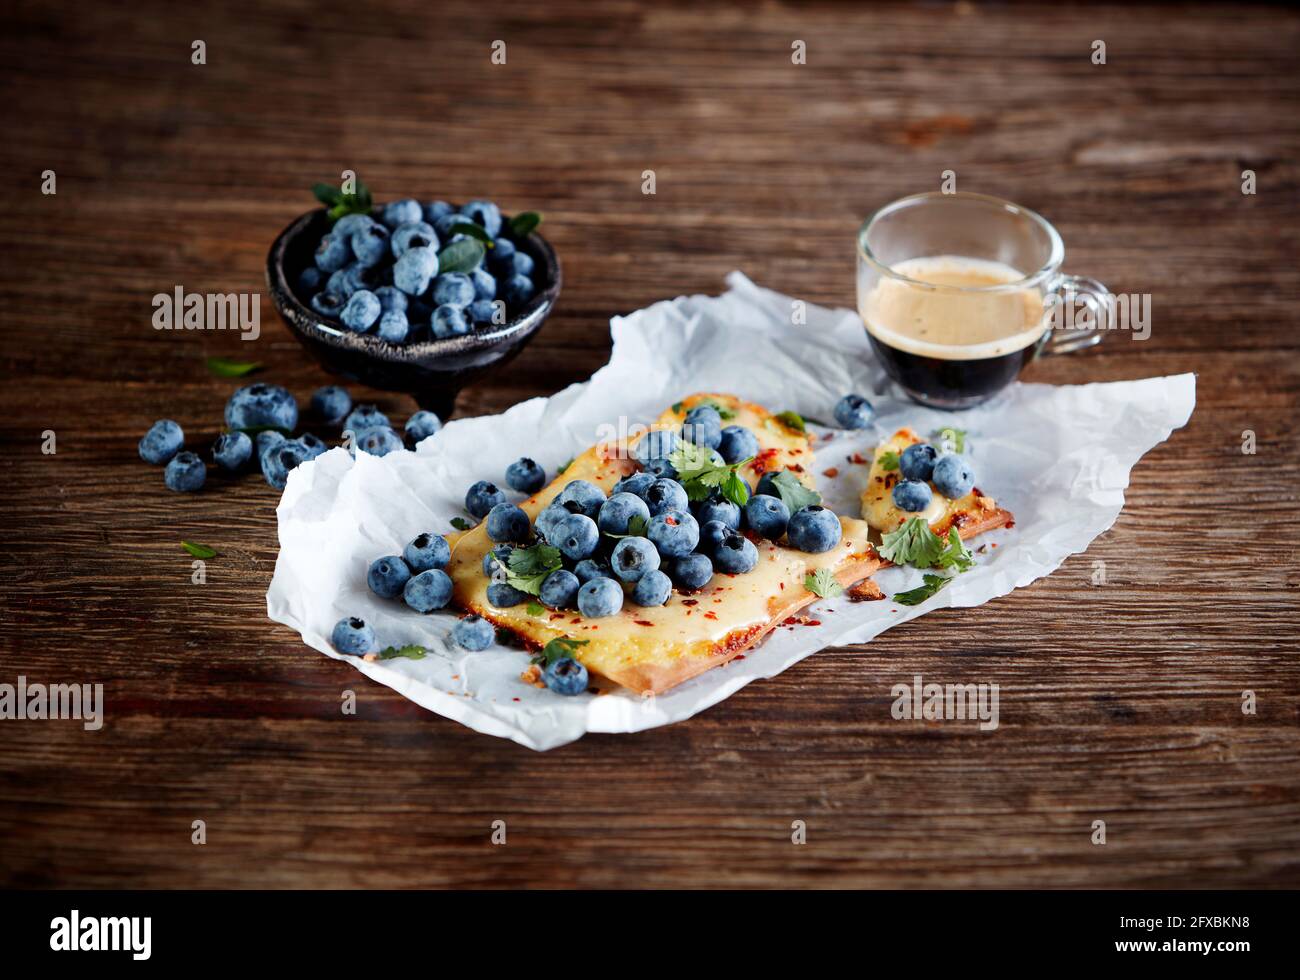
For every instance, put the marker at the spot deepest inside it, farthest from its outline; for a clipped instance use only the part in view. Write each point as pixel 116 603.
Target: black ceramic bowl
pixel 433 371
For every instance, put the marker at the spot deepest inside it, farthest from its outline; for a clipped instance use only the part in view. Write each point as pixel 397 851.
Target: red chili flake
pixel 832 472
pixel 690 602
pixel 576 620
pixel 993 544
pixel 670 521
pixel 710 615
pixel 783 586
pixel 643 622
pixel 795 468
pixel 813 622
pixel 764 460
pixel 514 699
pixel 859 459
pixel 739 656
pixel 716 601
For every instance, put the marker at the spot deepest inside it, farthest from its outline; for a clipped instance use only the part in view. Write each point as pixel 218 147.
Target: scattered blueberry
pixel 566 676
pixel 232 450
pixel 449 321
pixel 720 509
pixel 503 596
pixel 484 213
pixel 312 444
pixel 361 311
pixel 576 536
pixel 953 476
pixel 551 515
pixel 427 551
pixel 279 459
pixel 853 412
pixel 637 483
pixel 421 425
pixel 333 253
pixel 590 568
pixel 482 497
pixel 353 636
pixel 414 270
pixel 661 469
pixel 664 496
pixel 163 441
pixel 413 234
pixel 473 633
pixel 387 576
pixel 601 596
pixel 485 286
pixel 398 213
pixel 813 529
pixel 455 288
pixel 655 444
pixel 495 560
pixel 443 224
pixel 266 441
pixel 737 443
pixel 917 462
pixel 379 441
pixel 692 572
pixel 632 558
pixel 485 311
pixel 525 476
pixel 586 495
pixel 767 515
pixel 364 417
pixel 712 534
pixel 652 589
pixel 518 290
pixel 259 406
pixel 703 426
pixel 736 555
pixel 331 404
pixel 617 512
pixel 428 591
pixel 370 244
pixel 433 210
pixel 394 327
pixel 674 532
pixel 560 589
pixel 506 522
pixel 912 495
pixel 185 472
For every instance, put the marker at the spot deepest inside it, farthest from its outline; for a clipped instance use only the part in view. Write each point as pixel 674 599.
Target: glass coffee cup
pixel 958 294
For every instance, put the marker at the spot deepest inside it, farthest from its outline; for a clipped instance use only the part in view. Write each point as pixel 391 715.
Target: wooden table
pixel 1119 702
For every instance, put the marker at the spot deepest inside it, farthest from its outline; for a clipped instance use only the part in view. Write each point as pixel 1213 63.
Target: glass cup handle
pixel 1067 294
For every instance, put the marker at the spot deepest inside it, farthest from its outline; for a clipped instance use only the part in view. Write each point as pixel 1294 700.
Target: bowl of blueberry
pixel 419 297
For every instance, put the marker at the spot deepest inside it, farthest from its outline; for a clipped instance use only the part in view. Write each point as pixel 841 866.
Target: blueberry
pixel 486 311
pixel 328 304
pixel 455 288
pixel 485 286
pixel 692 572
pixel 392 300
pixel 331 404
pixel 449 321
pixel 953 476
pixel 353 636
pixel 664 496
pixel 379 441
pixel 394 327
pixel 767 482
pixel 313 445
pixel 655 444
pixel 163 441
pixel 520 264
pixel 494 562
pixel 310 280
pixel 427 551
pixel 912 495
pixel 576 536
pixel 712 534
pixel 266 441
pixel 398 213
pixel 674 533
pixel 501 257
pixel 617 512
pixel 566 676
pixel 737 443
pixel 703 426
pixel 506 522
pixel 767 515
pixel 853 412
pixel 525 476
pixel 551 515
pixel 503 596
pixel 421 425
pixel 343 284
pixel 364 417
pixel 586 495
pixel 736 555
pixel 361 311
pixel 185 472
pixel 232 450
pixel 661 469
pixel 560 589
pixel 370 244
pixel 414 270
pixel 485 214
pixel 473 633
pixel 720 509
pixel 279 459
pixel 413 234
pixel 917 462
pixel 351 223
pixel 517 291
pixel 482 497
pixel 632 558
pixel 652 589
pixel 260 406
pixel 813 529
pixel 428 591
pixel 387 576
pixel 443 225
pixel 333 253
pixel 590 568
pixel 637 483
pixel 433 210
pixel 601 596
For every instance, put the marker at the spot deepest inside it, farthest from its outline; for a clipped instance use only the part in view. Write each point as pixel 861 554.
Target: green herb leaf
pixel 339 204
pixel 722 410
pixel 956 554
pixel 536 609
pixel 822 583
pixel 558 649
pixel 527 568
pixel 198 550
pixel 913 543
pixel 933 583
pixel 523 224
pixel 565 466
pixel 792 420
pixel 327 195
pixel 636 528
pixel 411 652
pixel 677 408
pixel 956 437
pixel 460 524
pixel 888 460
pixel 700 475
pixel 792 491
pixel 474 230
pixel 461 256
pixel 225 367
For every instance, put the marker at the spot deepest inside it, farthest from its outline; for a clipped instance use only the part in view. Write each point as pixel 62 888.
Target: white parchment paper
pixel 1058 458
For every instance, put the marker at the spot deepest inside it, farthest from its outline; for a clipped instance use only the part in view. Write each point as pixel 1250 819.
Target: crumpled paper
pixel 1057 457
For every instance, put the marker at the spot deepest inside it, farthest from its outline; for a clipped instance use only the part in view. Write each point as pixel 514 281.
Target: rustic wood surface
pixel 1119 702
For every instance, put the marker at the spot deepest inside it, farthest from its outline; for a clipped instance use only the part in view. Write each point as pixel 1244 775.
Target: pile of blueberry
pixel 383 277
pixel 260 419
pixel 921 465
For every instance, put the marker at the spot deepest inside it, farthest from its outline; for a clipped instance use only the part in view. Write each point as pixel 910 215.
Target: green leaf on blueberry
pixel 912 597
pixel 198 550
pixel 558 649
pixel 700 475
pixel 522 225
pixel 822 583
pixel 339 203
pixel 411 652
pixel 527 568
pixel 462 256
pixel 793 493
pixel 473 230
pixel 225 367
pixel 637 527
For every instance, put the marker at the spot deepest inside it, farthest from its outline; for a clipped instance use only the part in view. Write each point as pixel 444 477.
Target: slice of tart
pixel 650 650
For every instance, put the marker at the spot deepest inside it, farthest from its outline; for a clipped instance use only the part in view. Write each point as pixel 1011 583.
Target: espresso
pixel 948 338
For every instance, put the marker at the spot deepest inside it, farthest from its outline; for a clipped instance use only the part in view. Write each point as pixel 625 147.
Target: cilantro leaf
pixel 913 543
pixel 792 420
pixel 956 554
pixel 536 609
pixel 558 649
pixel 822 583
pixel 700 475
pixel 527 568
pixel 523 224
pixel 955 437
pixel 792 491
pixel 912 597
pixel 677 408
pixel 565 466
pixel 888 460
pixel 636 528
pixel 198 550
pixel 460 524
pixel 411 651
pixel 339 204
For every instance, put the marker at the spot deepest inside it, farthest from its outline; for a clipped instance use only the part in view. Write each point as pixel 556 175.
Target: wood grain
pixel 1119 702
